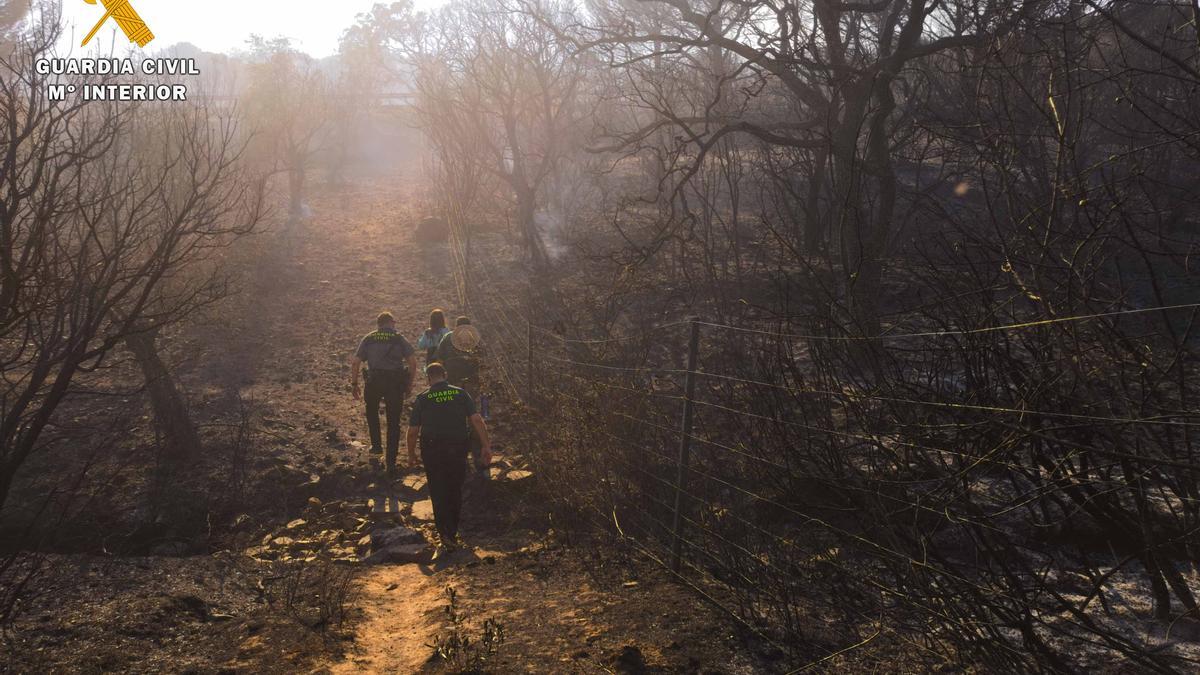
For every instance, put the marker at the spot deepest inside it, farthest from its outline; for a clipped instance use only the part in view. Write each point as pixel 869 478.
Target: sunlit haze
pixel 224 25
pixel 536 336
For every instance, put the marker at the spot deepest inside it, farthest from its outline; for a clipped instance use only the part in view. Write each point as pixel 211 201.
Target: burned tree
pixel 112 223
pixel 944 393
pixel 286 108
pixel 820 80
pixel 496 91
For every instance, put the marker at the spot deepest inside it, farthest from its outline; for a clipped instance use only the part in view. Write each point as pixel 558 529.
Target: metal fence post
pixel 529 368
pixel 529 346
pixel 467 266
pixel 685 442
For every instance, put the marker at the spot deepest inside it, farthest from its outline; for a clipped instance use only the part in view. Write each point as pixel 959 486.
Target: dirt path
pixel 354 258
pixel 400 603
pixel 278 352
pixel 560 612
pixel 319 292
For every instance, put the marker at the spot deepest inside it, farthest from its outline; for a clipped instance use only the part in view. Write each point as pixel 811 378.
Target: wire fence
pixel 918 505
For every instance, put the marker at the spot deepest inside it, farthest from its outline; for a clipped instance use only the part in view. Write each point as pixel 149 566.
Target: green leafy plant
pixel 460 652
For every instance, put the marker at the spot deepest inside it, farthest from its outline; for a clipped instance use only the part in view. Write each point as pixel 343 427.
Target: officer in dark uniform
pixel 391 363
pixel 441 417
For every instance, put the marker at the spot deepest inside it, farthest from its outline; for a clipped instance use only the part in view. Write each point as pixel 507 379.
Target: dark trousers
pixel 445 469
pixel 390 390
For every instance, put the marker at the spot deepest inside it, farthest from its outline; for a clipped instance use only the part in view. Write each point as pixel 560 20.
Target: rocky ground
pixel 321 566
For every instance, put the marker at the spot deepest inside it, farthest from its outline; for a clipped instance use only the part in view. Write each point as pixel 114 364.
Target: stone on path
pixel 408 553
pixel 422 510
pixel 395 536
pixel 396 545
pixel 500 473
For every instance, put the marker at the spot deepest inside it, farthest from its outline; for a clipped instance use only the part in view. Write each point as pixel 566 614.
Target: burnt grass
pixel 241 560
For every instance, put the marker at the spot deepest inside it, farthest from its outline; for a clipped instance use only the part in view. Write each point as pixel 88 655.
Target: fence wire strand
pixel 719 494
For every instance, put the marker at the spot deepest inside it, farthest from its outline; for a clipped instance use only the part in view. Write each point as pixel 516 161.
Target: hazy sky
pixel 224 25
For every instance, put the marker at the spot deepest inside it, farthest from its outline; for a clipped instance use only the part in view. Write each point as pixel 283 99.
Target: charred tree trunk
pixel 526 210
pixel 170 411
pixel 814 226
pixel 875 227
pixel 853 226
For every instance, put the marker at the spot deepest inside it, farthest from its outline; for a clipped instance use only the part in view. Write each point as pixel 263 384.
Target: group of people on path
pixel 444 422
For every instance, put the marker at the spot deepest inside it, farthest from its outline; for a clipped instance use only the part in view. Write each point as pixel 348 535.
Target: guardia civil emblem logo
pixel 127 19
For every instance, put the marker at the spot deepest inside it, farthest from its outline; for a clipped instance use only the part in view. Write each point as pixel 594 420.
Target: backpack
pixel 460 365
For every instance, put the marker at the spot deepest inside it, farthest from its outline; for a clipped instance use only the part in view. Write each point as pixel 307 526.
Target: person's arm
pixel 411 444
pixel 412 374
pixel 355 367
pixel 485 442
pixel 356 362
pixel 414 431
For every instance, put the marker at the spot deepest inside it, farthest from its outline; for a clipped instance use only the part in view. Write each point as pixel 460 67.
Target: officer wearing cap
pixel 390 364
pixel 441 417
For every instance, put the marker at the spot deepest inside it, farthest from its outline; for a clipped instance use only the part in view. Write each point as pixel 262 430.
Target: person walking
pixel 432 337
pixel 440 419
pixel 456 353
pixel 389 373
